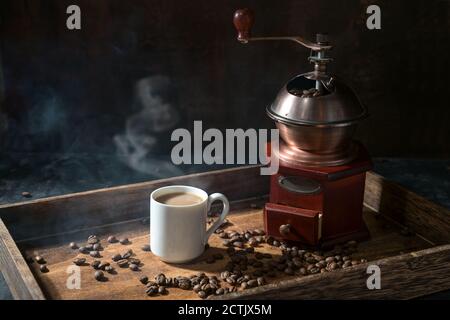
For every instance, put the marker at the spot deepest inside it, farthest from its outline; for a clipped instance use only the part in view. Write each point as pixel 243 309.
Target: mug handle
pixel 226 208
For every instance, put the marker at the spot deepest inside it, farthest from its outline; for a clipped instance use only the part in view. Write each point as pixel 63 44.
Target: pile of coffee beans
pixel 313 92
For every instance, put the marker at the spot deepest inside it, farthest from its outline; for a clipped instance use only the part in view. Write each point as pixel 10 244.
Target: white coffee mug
pixel 178 232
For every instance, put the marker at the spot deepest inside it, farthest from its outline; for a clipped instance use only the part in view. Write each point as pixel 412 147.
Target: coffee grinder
pixel 316 198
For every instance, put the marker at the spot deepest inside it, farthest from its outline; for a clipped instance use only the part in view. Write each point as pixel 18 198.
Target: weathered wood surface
pixel 407 208
pixel 16 272
pixel 104 206
pixel 386 241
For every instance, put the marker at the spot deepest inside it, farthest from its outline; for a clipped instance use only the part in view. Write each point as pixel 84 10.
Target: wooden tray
pixel 411 266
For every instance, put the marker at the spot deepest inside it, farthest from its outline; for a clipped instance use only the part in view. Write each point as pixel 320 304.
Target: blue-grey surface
pixel 45 175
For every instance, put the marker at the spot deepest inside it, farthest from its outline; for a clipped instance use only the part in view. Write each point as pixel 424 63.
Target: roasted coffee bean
pixel 127 254
pixel 218 231
pixel 146 247
pixel 184 284
pixel 160 279
pixel 109 269
pixel 223 235
pixel 261 281
pixel 103 265
pixel 227 243
pixel 259 232
pixel 202 294
pixel 134 261
pixel 92 239
pixel 252 283
pixel 363 260
pixel 39 259
pixel 346 258
pixel 98 275
pixel 112 239
pixel 347 264
pixel 94 254
pixel 162 290
pixel 302 271
pixel 134 267
pixel 238 244
pixel 124 241
pixel 95 264
pixel 151 291
pixel 43 268
pixel 333 266
pixel 218 256
pixel 329 259
pixel 224 275
pixel 73 245
pixel 123 263
pixel 314 270
pixel 26 194
pixel 197 288
pixel 220 291
pixel 89 247
pixel 116 257
pixel 276 243
pixel 79 261
pixel 96 247
pixel 253 242
pixel 210 260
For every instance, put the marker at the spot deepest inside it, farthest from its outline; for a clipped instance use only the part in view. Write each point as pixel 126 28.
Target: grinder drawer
pixel 293 224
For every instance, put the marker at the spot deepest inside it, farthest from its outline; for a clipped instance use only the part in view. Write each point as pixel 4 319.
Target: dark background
pixel 74 91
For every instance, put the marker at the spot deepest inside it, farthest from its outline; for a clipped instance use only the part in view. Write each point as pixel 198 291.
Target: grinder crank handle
pixel 243 21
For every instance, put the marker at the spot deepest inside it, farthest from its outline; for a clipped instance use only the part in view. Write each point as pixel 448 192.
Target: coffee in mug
pixel 178 216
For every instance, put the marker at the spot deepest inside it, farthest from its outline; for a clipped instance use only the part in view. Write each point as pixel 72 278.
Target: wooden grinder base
pixel 331 215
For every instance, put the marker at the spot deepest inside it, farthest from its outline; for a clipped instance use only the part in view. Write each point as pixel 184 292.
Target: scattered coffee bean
pixel 94 254
pixel 112 239
pixel 83 250
pixel 122 263
pixel 79 261
pixel 162 290
pixel 134 267
pixel 39 259
pixel 43 268
pixel 146 247
pixel 143 279
pixel 92 239
pixel 103 265
pixel 95 264
pixel 96 247
pixel 116 257
pixel 98 275
pixel 26 194
pixel 73 245
pixel 202 294
pixel 134 261
pixel 124 241
pixel 109 269
pixel 220 291
pixel 127 254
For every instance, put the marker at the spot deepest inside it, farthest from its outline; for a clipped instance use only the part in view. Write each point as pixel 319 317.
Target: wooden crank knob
pixel 285 229
pixel 243 21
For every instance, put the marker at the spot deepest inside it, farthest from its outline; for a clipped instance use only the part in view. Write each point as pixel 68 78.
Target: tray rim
pixel 23 284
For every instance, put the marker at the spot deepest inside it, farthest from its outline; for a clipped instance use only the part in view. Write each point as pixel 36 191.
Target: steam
pixel 138 146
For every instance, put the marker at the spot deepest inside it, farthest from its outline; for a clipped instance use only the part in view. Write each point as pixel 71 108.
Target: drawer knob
pixel 285 229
